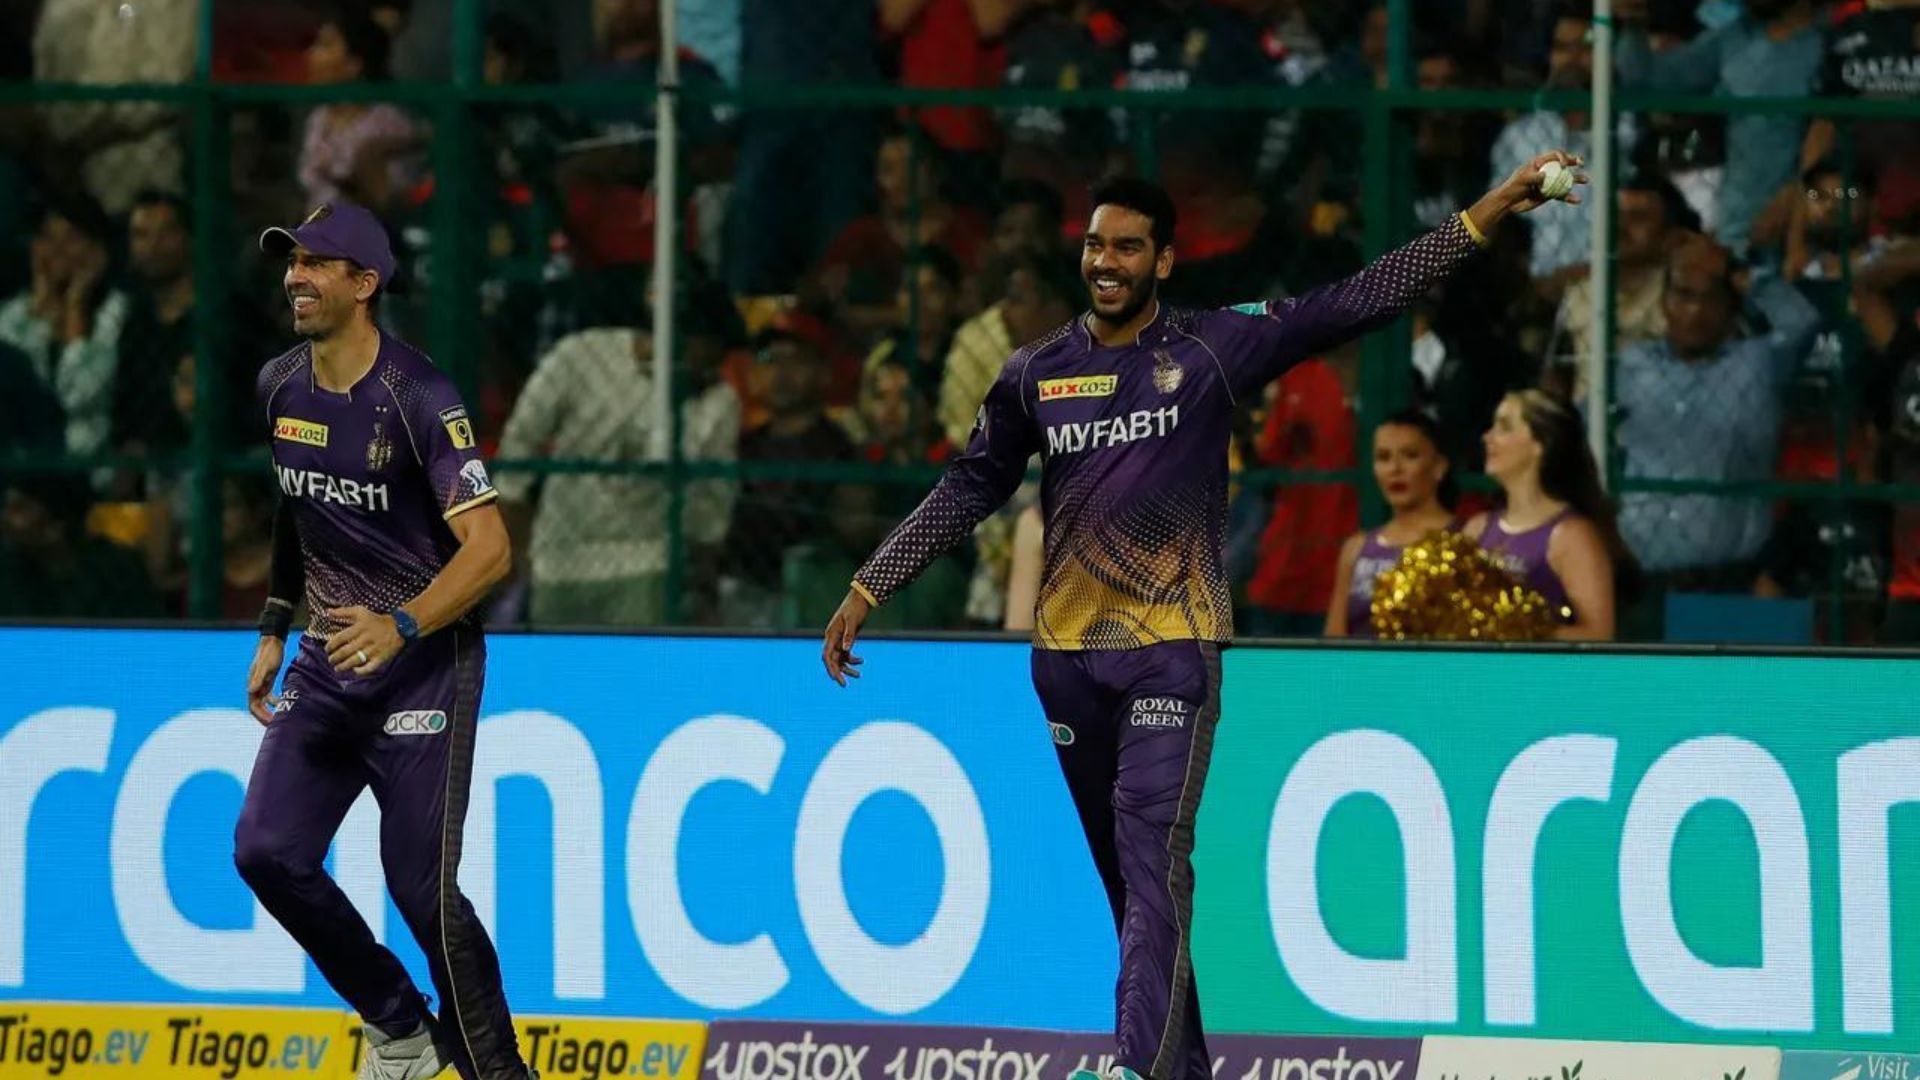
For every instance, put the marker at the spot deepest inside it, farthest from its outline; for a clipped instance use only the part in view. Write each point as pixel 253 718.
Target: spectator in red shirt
pixel 954 44
pixel 1309 426
pixel 859 276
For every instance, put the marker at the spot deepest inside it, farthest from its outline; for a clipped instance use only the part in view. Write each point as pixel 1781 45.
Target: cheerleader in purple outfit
pixel 1555 526
pixel 1415 478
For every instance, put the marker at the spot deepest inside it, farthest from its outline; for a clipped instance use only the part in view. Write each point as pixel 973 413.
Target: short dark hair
pixel 1678 211
pixel 938 258
pixel 1864 175
pixel 1573 10
pixel 83 212
pixel 182 209
pixel 922 150
pixel 523 45
pixel 64 501
pixel 1025 191
pixel 773 335
pixel 1435 45
pixel 1143 197
pixel 1055 277
pixel 711 312
pixel 1723 279
pixel 366 40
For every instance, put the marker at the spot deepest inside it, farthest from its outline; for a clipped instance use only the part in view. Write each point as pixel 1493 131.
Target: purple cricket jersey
pixel 1376 556
pixel 1133 442
pixel 374 475
pixel 1524 555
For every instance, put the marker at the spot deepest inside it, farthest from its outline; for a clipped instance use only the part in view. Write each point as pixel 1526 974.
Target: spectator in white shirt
pixel 68 321
pixel 599 550
pixel 118 147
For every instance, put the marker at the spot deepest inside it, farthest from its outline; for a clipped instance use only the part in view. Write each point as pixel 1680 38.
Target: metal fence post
pixel 666 291
pixel 451 288
pixel 208 165
pixel 1383 354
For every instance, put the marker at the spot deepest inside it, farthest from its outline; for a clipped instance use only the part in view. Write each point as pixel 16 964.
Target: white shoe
pixel 410 1057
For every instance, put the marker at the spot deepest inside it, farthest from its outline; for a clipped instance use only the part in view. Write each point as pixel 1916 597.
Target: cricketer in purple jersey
pixel 1129 408
pixel 372 476
pixel 386 524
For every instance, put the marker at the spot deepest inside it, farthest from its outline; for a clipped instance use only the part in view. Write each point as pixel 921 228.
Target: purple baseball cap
pixel 337 230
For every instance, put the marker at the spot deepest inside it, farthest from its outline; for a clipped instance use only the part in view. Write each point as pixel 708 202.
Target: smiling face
pixel 324 292
pixel 1121 266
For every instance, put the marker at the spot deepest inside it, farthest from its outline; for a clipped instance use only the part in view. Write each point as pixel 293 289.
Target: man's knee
pixel 417 897
pixel 266 856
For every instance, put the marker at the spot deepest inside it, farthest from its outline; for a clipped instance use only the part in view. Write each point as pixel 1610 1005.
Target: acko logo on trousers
pixel 416 722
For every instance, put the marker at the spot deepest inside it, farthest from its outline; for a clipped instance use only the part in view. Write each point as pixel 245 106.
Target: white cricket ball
pixel 1555 180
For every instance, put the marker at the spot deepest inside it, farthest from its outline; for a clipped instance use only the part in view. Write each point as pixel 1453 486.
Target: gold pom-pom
pixel 1445 588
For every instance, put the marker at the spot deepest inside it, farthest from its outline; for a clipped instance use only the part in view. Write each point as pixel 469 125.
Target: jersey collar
pixel 1159 320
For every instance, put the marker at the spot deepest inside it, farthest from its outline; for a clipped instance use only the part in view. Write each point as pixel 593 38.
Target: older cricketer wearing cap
pixel 388 526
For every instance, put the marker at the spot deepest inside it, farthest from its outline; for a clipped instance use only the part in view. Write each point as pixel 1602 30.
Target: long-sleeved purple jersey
pixel 1133 444
pixel 374 475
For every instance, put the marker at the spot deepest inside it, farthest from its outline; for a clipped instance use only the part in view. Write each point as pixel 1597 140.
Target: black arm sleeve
pixel 288 579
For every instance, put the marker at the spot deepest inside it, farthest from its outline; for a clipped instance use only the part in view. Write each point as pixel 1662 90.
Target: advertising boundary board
pixel 1670 848
pixel 44 1040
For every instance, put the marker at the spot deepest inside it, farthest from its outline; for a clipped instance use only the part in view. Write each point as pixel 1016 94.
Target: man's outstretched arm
pixel 1284 332
pixel 977 483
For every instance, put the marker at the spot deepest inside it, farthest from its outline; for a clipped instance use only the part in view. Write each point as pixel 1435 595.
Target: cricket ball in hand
pixel 1555 180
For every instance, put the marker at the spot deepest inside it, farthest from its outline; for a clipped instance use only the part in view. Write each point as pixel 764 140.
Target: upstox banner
pixel 1456 1058
pixel 1597 847
pixel 771 1050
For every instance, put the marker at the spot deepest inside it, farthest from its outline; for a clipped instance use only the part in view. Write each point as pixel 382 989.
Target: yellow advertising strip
pixel 42 1040
pixel 301 431
pixel 1078 386
pixel 590 1048
pixel 119 1042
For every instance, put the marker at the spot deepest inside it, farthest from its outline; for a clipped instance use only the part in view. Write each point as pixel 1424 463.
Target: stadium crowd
pixel 853 279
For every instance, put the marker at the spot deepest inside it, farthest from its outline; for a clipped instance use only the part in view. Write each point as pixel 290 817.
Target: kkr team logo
pixel 1167 372
pixel 416 722
pixel 379 449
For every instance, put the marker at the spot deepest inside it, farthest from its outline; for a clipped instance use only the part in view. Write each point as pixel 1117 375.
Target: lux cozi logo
pixel 1078 386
